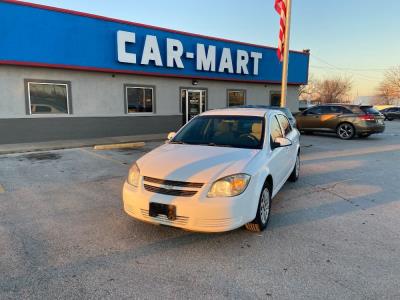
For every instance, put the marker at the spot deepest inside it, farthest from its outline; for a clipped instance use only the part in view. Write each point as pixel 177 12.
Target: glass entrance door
pixel 193 103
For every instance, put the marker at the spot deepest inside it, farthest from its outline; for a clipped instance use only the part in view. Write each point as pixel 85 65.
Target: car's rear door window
pixel 340 110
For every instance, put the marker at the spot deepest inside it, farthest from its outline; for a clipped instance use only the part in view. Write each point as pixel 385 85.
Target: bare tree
pixel 335 90
pixel 309 91
pixel 389 88
pixel 331 90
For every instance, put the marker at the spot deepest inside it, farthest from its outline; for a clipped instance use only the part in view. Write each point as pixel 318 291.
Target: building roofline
pixel 108 19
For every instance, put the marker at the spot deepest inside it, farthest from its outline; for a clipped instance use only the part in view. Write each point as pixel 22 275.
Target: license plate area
pixel 156 209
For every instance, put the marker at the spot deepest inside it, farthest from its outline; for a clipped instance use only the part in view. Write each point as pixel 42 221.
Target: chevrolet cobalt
pixel 218 173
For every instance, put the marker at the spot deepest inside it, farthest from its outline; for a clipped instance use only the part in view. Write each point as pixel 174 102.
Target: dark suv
pixel 344 120
pixel 391 113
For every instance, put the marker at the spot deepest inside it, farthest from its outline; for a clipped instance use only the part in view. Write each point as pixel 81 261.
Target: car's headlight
pixel 229 186
pixel 134 176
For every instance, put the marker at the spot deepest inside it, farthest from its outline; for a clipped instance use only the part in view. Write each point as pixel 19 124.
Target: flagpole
pixel 286 54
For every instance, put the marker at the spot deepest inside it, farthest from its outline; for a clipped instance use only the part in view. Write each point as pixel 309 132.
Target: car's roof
pixel 340 104
pixel 255 112
pixel 262 107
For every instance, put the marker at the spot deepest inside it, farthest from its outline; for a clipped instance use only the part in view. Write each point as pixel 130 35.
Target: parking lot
pixel 334 234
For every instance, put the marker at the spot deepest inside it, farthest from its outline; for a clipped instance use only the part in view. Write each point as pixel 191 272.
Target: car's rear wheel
pixel 263 212
pixel 345 131
pixel 296 170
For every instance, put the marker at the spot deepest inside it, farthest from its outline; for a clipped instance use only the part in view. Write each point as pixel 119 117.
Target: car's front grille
pixel 173 182
pixel 170 192
pixel 171 187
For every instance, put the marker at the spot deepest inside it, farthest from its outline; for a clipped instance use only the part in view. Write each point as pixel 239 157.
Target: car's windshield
pixel 223 131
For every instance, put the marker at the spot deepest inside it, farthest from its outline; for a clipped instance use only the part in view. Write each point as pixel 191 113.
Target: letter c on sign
pixel 124 37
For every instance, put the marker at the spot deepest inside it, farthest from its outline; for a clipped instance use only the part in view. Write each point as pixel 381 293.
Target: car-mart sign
pixel 41 36
pixel 206 59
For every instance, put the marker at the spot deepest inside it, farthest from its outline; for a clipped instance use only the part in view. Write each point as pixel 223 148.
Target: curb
pixel 80 143
pixel 120 146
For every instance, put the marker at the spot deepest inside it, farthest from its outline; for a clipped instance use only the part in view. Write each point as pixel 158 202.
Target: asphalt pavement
pixel 334 234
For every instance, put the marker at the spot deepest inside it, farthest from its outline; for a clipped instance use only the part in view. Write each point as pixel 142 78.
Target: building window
pixel 48 97
pixel 275 99
pixel 139 99
pixel 236 97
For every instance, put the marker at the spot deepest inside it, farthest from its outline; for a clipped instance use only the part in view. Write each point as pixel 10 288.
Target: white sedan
pixel 218 173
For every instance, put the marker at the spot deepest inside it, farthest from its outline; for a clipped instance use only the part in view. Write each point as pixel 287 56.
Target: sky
pixel 358 39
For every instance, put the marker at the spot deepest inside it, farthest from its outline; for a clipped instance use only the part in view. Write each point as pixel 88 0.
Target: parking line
pixel 103 156
pixel 2 190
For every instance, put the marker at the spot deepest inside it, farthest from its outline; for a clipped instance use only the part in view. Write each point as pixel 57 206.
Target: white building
pixel 71 75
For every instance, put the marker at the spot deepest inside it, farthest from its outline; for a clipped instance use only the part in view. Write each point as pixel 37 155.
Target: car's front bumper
pixel 197 213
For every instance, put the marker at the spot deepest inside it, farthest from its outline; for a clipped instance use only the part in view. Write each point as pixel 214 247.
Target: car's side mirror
pixel 171 135
pixel 281 142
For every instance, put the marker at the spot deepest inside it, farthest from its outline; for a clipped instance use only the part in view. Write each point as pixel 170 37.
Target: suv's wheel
pixel 264 208
pixel 345 131
pixel 296 170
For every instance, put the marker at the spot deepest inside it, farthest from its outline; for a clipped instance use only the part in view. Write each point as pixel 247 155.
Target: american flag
pixel 280 7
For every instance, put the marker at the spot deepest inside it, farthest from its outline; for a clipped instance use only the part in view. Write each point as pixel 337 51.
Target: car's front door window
pixel 311 118
pixel 285 124
pixel 326 110
pixel 313 111
pixel 276 131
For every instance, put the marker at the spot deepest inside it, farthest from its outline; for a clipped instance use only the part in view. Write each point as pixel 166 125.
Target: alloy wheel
pixel 265 206
pixel 346 131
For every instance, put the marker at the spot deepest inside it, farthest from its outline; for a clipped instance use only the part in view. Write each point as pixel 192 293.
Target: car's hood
pixel 194 163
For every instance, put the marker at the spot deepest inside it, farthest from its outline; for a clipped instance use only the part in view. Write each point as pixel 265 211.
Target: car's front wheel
pixel 296 170
pixel 263 212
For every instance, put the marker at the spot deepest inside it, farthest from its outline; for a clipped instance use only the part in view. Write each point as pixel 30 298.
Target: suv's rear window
pixel 370 110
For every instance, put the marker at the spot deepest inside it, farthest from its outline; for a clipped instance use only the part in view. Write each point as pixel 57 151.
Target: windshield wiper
pixel 177 142
pixel 217 145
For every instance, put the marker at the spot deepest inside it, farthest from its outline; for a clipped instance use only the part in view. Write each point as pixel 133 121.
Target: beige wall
pixel 100 94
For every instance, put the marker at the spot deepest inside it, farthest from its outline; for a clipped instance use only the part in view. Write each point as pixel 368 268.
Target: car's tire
pixel 294 176
pixel 263 212
pixel 389 119
pixel 364 135
pixel 345 131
